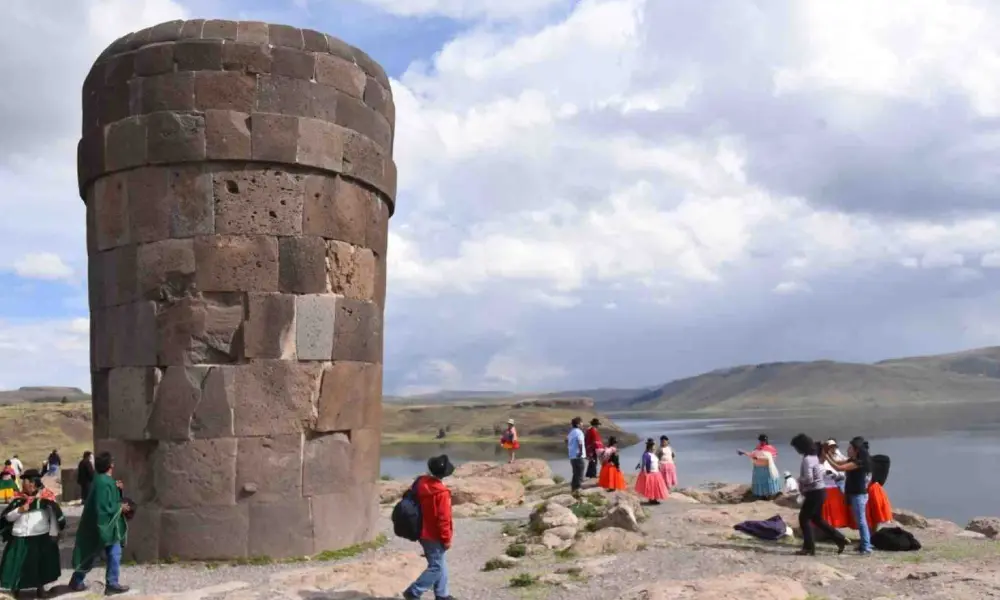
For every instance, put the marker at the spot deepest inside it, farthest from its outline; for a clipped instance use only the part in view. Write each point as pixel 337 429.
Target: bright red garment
pixel 592 441
pixel 435 507
pixel 768 448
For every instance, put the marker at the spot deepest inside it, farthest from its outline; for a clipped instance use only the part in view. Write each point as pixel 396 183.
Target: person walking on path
pixel 814 492
pixel 53 464
pixel 102 530
pixel 30 526
pixel 576 445
pixel 436 531
pixel 85 475
pixel 593 445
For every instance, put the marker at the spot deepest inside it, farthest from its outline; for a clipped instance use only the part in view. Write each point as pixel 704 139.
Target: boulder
pixel 528 469
pixel 720 493
pixel 629 499
pixel 908 518
pixel 554 542
pixel 680 497
pixel 539 484
pixel 563 533
pixel 389 492
pixel 728 587
pixel 504 562
pixel 621 516
pixel 788 501
pixel 606 541
pixel 988 526
pixel 562 500
pixel 486 491
pixel 549 516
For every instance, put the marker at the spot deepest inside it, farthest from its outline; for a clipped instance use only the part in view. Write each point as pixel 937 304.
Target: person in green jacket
pixel 102 529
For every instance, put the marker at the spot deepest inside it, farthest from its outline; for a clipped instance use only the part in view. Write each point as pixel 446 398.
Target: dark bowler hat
pixel 595 422
pixel 440 466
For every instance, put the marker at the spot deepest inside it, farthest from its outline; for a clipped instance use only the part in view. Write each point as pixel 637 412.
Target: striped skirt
pixel 762 484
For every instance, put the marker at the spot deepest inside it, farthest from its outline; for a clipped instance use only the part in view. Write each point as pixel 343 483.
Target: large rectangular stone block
pixel 365 160
pixel 352 271
pixel 198 55
pixel 203 329
pixel 99 404
pixel 228 263
pixel 321 144
pixel 290 62
pixel 315 316
pixel 130 397
pixel 281 529
pixel 282 95
pixel 344 519
pixel 377 231
pixel 269 469
pixel 358 331
pixel 336 209
pixel 269 331
pixel 155 59
pixel 196 473
pixel 177 396
pixel 252 32
pixel 380 281
pixel 323 102
pixel 144 536
pixel 350 397
pixel 133 332
pixel 355 115
pixel 126 144
pixel 220 29
pixel 258 201
pixel 213 417
pixel 326 464
pixel 274 137
pixel 133 466
pixel 343 75
pixel 213 532
pixel 227 135
pixel 302 265
pixel 274 397
pixel 165 268
pixel 366 446
pixel 250 58
pixel 176 137
pixel 111 211
pixel 286 36
pixel 148 208
pixel 171 91
pixel 192 206
pixel 225 90
pixel 117 268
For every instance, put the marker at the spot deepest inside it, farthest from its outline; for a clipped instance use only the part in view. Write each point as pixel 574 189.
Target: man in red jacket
pixel 435 509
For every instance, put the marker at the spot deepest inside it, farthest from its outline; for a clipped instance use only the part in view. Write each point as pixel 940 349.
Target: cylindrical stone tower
pixel 239 180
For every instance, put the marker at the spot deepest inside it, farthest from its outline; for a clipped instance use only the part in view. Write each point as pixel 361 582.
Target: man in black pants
pixel 577 454
pixel 813 490
pixel 85 475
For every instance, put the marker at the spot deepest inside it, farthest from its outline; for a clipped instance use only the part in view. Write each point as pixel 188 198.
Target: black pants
pixel 578 465
pixel 591 468
pixel 811 514
pixel 84 491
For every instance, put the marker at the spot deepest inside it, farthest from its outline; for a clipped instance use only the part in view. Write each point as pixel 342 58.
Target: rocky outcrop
pixel 908 518
pixel 730 587
pixel 539 484
pixel 621 516
pixel 549 516
pixel 486 491
pixel 606 541
pixel 720 493
pixel 528 469
pixel 988 526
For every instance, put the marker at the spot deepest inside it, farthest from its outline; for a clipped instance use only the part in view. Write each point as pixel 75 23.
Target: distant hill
pixel 43 394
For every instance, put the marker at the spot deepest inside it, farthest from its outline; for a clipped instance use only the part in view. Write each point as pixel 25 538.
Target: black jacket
pixel 85 472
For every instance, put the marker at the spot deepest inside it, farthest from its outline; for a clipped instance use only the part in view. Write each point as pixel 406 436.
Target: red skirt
pixel 651 486
pixel 879 509
pixel 669 473
pixel 509 444
pixel 835 509
pixel 611 478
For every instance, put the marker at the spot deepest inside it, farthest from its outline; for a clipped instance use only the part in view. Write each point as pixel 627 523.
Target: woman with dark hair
pixel 611 477
pixel 649 484
pixel 30 526
pixel 869 505
pixel 764 479
pixel 813 491
pixel 665 454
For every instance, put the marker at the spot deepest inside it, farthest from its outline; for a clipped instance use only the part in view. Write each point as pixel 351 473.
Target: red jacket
pixel 592 442
pixel 435 507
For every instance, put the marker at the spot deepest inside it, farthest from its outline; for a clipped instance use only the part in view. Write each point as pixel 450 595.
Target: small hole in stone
pixel 273 214
pixel 232 187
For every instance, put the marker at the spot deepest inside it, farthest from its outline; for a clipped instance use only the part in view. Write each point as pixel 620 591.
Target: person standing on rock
pixel 649 484
pixel 611 477
pixel 593 445
pixel 85 475
pixel 576 445
pixel 508 441
pixel 665 454
pixel 30 526
pixel 764 482
pixel 814 492
pixel 102 530
pixel 436 531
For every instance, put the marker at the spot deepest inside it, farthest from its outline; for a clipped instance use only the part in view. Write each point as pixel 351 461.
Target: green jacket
pixel 102 523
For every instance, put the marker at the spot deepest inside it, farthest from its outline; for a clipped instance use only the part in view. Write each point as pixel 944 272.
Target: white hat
pixel 510 421
pixel 788 474
pixel 831 442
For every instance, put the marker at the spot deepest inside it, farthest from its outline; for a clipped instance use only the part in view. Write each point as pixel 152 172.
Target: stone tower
pixel 239 180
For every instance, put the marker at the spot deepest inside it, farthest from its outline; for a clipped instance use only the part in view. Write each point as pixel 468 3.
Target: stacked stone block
pixel 239 180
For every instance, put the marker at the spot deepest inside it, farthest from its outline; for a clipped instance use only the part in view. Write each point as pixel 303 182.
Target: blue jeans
pixel 113 555
pixel 859 506
pixel 436 574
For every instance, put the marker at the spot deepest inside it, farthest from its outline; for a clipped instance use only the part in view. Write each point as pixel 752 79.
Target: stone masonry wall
pixel 239 180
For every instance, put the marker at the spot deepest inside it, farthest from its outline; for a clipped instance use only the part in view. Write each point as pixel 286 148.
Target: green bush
pixel 523 580
pixel 559 479
pixel 516 550
pixel 495 564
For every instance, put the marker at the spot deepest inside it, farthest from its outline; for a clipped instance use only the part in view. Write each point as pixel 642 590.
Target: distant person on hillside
pixel 8 483
pixel 85 474
pixel 813 492
pixel 18 465
pixel 102 530
pixel 30 526
pixel 594 445
pixel 436 532
pixel 665 454
pixel 649 484
pixel 53 463
pixel 764 482
pixel 509 441
pixel 576 446
pixel 611 477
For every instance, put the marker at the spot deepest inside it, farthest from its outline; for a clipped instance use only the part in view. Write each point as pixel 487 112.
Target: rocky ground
pixel 607 547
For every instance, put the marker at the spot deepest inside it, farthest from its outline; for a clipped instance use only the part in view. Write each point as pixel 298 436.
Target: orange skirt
pixel 879 509
pixel 514 445
pixel 651 486
pixel 835 509
pixel 611 478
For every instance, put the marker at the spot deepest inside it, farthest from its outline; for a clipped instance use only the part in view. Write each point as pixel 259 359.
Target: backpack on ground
pixel 407 519
pixel 895 539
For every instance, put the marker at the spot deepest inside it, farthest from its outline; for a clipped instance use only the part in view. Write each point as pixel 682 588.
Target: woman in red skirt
pixel 611 478
pixel 650 484
pixel 508 441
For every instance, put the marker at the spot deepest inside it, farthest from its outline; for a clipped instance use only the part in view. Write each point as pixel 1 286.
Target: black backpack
pixel 895 539
pixel 880 469
pixel 407 519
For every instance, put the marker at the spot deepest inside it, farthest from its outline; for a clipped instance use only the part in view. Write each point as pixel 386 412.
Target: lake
pixel 943 457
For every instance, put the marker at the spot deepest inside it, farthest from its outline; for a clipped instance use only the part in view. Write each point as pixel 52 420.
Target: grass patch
pixel 523 580
pixel 352 551
pixel 254 561
pixel 511 529
pixel 385 477
pixel 585 510
pixel 516 551
pixel 495 564
pixel 566 554
pixel 559 479
pixel 597 499
pixel 526 479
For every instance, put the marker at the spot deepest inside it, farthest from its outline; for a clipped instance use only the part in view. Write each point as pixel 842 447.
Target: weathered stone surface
pixel 192 210
pixel 336 208
pixel 176 137
pixel 204 329
pixel 229 263
pixel 352 271
pixel 117 275
pixel 225 90
pixel 727 587
pixel 138 348
pixel 269 331
pixel 377 230
pixel 133 466
pixel 357 332
pixel 283 95
pixel 294 538
pixel 345 518
pixel 908 518
pixel 165 268
pixel 177 396
pixel 273 397
pixel 327 465
pixel 343 75
pixel 523 468
pixel 252 32
pixel 321 144
pixel 274 137
pixel 315 326
pixel 198 55
pixel 144 541
pixel 196 473
pixel 302 265
pixel 250 58
pixel 227 135
pixel 270 466
pixel 350 397
pixel 154 60
pixel 126 143
pixel 988 526
pixel 486 492
pixel 130 396
pixel 291 62
pixel 607 541
pixel 213 417
pixel 219 29
pixel 550 515
pixel 622 517
pixel 148 210
pixel 205 533
pixel 258 201
pixel 355 115
pixel 168 92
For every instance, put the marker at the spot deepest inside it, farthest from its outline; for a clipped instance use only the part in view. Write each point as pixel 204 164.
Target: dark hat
pixel 440 466
pixel 595 422
pixel 31 474
pixel 762 437
pixel 576 421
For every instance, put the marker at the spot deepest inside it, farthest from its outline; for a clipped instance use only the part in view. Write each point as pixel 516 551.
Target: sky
pixel 595 192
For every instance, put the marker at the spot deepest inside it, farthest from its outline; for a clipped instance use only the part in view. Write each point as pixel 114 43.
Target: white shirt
pixel 17 465
pixel 33 522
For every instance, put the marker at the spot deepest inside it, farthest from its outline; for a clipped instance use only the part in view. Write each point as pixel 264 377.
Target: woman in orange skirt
pixel 869 505
pixel 611 477
pixel 508 441
pixel 835 509
pixel 650 484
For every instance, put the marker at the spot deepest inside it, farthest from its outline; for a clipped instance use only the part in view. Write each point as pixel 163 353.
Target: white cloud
pixel 786 288
pixel 44 352
pixel 990 260
pixel 466 9
pixel 516 371
pixel 42 265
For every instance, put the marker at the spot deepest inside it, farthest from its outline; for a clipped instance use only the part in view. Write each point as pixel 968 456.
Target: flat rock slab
pixel 733 587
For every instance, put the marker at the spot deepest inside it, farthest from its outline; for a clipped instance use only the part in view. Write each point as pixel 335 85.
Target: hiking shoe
pixel 408 596
pixel 80 587
pixel 114 590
